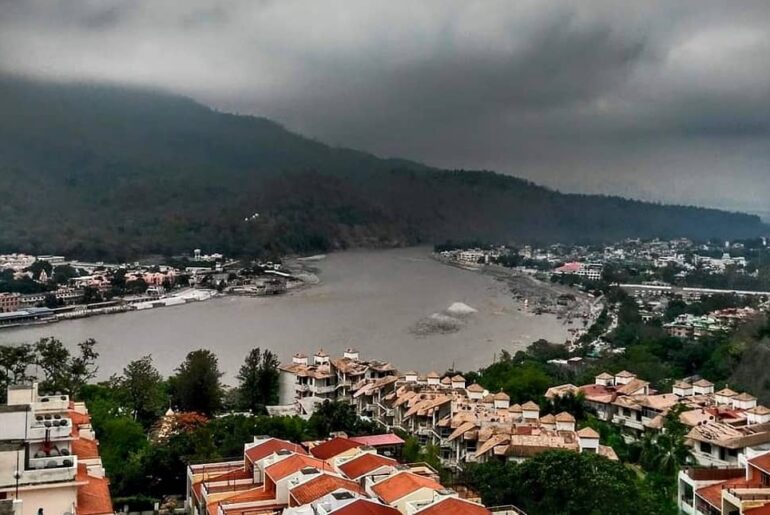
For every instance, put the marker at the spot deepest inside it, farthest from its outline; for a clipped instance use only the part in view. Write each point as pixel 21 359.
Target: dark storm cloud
pixel 663 100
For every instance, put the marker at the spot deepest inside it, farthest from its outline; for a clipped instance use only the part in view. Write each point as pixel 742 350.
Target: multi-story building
pixel 304 385
pixel 591 271
pixel 49 456
pixel 467 423
pixel 9 302
pixel 336 477
pixel 743 489
pixel 722 424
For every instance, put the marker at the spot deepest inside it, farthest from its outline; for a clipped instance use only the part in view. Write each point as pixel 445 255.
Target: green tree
pixel 120 438
pixel 61 370
pixel 331 417
pixel 411 451
pixel 258 378
pixel 196 385
pixel 567 483
pixel 142 387
pixel 15 361
pixel 63 273
pixel 666 452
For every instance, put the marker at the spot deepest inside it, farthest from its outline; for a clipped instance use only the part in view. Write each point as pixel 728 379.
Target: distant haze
pixel 657 100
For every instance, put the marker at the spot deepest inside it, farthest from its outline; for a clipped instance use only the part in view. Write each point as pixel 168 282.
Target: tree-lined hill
pixel 111 172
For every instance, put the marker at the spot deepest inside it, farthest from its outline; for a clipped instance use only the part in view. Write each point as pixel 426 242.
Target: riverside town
pixel 655 385
pixel 458 257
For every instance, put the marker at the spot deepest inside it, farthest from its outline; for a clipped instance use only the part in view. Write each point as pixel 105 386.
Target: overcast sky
pixel 656 100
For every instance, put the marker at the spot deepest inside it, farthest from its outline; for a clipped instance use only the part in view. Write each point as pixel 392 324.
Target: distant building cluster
pixel 590 271
pixel 695 327
pixel 466 422
pixel 723 424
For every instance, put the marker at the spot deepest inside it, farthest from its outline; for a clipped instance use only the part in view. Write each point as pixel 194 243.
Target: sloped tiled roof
pixel 292 464
pixel 587 432
pixel 85 448
pixel 454 506
pixel 365 464
pixel 703 383
pixel 365 507
pixel 334 447
pixel 399 485
pixel 324 484
pixel 761 462
pixel 726 392
pixel 378 440
pixel 475 388
pixel 93 497
pixel 271 446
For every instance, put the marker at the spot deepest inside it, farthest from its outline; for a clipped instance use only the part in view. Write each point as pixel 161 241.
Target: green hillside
pixel 108 172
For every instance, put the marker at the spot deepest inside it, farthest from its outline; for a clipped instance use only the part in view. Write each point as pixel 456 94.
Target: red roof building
pixel 270 447
pixel 334 447
pixel 366 464
pixel 454 506
pixel 291 465
pixel 320 486
pixel 402 484
pixel 367 507
pixel 386 440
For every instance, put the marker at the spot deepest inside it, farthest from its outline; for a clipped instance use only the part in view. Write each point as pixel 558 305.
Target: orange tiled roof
pixel 93 496
pixel 378 440
pixel 454 506
pixel 324 484
pixel 366 507
pixel 365 464
pixel 85 448
pixel 78 418
pixel 713 493
pixel 292 464
pixel 404 483
pixel 272 446
pixel 761 462
pixel 253 495
pixel 761 510
pixel 334 447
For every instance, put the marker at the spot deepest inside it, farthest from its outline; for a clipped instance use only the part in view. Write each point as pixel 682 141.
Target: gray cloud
pixel 658 100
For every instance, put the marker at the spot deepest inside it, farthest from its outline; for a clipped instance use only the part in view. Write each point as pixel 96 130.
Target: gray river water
pixel 370 300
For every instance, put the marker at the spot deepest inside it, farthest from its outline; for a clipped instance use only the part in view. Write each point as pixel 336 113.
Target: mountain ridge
pixel 107 171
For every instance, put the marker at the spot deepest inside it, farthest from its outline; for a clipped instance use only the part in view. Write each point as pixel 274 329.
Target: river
pixel 368 299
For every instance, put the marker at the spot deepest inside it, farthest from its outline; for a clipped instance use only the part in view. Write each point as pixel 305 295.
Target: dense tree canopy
pixel 567 483
pixel 258 381
pixel 196 385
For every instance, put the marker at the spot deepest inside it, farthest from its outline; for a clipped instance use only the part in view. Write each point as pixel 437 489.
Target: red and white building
pixel 49 456
pixel 335 477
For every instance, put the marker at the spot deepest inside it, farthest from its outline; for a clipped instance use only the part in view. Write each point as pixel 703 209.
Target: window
pixel 705 448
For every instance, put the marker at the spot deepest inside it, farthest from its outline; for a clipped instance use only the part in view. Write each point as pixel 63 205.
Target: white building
pixel 49 458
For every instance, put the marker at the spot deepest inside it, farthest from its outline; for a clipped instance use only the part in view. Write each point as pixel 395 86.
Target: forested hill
pixel 108 172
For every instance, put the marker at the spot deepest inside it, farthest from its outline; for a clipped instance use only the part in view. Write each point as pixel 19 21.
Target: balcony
pixel 47 403
pixel 52 429
pixel 50 469
pixel 324 389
